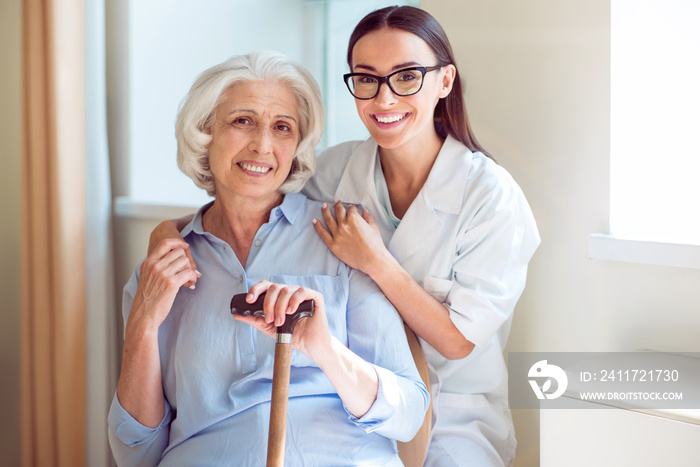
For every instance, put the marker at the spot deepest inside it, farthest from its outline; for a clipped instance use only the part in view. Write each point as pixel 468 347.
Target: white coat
pixel 466 239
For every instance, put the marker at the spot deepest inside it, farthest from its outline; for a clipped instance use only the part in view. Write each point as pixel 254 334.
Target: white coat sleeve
pixel 494 246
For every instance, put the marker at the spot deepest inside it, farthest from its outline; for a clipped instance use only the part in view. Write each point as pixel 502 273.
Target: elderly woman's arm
pixel 139 406
pixel 376 333
pixel 354 379
pixel 375 375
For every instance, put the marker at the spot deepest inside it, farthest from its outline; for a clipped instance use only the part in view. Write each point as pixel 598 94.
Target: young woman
pixel 441 228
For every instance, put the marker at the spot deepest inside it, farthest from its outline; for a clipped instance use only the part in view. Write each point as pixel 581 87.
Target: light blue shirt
pixel 217 371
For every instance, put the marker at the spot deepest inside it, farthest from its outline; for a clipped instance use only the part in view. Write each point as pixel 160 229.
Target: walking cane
pixel 280 372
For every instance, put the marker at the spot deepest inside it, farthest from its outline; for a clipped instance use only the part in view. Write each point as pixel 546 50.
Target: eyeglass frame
pixel 385 79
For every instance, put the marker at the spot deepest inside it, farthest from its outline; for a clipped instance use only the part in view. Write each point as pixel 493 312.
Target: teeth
pixel 391 119
pixel 254 168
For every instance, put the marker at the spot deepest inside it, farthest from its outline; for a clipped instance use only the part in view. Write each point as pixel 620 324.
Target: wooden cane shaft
pixel 278 405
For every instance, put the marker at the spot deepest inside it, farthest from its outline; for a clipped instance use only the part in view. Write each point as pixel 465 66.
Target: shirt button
pixel 258 243
pixel 277 212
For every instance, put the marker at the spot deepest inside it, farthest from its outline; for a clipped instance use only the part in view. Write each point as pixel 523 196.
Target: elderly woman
pixel 195 384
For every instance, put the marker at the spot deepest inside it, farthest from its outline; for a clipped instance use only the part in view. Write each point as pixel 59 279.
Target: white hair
pixel 197 111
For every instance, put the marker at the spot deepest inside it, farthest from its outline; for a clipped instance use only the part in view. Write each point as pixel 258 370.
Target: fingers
pixel 323 233
pixel 167 262
pixel 367 217
pixel 281 300
pixel 302 294
pixel 159 282
pixel 174 261
pixel 329 218
pixel 255 291
pixel 277 303
pixel 177 243
pixel 164 246
pixel 311 335
pixel 269 306
pixel 185 276
pixel 340 212
pixel 335 218
pixel 271 309
pixel 193 264
pixel 258 322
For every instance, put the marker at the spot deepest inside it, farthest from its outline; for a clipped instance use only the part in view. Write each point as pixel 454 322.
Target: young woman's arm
pixel 355 239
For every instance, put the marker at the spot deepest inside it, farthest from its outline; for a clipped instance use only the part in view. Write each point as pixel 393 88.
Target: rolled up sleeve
pixel 393 414
pixel 490 269
pixel 132 443
pixel 376 333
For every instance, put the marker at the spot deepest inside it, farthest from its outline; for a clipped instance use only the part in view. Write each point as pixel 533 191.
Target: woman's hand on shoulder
pixel 170 229
pixel 353 237
pixel 310 335
pixel 163 272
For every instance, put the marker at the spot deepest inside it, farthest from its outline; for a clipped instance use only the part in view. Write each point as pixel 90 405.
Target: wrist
pixel 383 266
pixel 325 356
pixel 140 328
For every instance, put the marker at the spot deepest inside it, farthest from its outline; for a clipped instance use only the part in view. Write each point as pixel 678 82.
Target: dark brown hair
pixel 450 114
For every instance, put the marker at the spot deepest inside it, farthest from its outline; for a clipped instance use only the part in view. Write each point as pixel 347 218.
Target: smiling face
pixel 395 121
pixel 255 134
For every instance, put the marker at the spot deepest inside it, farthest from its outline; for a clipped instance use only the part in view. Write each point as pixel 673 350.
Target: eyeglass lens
pixel 402 83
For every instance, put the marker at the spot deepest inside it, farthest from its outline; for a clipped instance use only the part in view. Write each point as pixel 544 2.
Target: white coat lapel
pixel 443 191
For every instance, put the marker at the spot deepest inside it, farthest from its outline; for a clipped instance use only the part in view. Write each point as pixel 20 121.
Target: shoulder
pixel 490 201
pixel 330 167
pixel 307 207
pixel 470 182
pixel 336 155
pixel 494 198
pixel 484 185
pixel 489 181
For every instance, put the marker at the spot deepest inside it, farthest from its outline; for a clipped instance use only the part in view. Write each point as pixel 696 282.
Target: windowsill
pixel 611 248
pixel 133 209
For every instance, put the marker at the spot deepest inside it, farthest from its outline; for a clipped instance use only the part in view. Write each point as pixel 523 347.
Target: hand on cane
pixel 311 336
pixel 354 379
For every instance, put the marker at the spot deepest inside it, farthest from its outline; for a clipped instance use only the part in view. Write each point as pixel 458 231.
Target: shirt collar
pixel 290 209
pixel 195 225
pixel 444 189
pixel 447 181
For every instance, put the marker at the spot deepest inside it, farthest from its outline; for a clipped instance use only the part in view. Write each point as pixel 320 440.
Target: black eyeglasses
pixel 404 82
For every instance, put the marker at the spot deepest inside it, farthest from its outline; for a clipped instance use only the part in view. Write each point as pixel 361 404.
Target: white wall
pixel 10 158
pixel 539 98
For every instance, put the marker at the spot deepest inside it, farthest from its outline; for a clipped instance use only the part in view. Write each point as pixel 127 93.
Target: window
pixel 655 97
pixel 170 43
pixel 654 163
